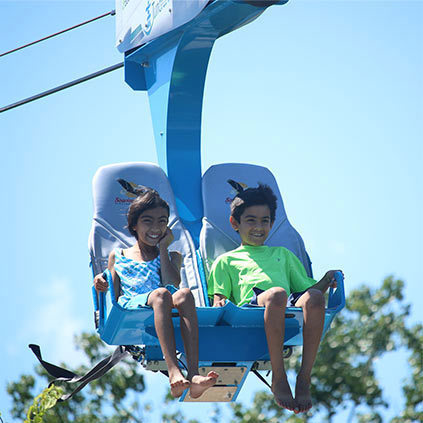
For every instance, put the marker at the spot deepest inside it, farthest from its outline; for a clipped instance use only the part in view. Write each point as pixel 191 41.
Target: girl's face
pixel 151 226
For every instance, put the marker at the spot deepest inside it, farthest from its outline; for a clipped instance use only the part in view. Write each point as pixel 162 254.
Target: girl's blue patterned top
pixel 136 277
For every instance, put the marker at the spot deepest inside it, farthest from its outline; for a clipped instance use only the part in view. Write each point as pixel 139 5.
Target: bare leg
pixel 184 302
pixel 274 300
pixel 313 304
pixel 161 301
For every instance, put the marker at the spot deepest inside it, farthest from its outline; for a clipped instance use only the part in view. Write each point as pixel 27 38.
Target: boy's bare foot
pixel 282 394
pixel 302 394
pixel 199 384
pixel 178 384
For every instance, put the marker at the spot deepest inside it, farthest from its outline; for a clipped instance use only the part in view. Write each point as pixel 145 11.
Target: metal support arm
pixel 173 69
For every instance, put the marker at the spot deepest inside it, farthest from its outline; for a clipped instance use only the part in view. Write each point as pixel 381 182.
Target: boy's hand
pixel 219 300
pixel 100 284
pixel 167 239
pixel 330 277
pixel 219 303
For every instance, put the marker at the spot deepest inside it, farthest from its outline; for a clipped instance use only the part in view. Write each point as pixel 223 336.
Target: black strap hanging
pixel 261 378
pixel 67 376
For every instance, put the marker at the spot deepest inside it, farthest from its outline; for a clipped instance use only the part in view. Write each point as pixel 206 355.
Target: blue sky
pixel 326 94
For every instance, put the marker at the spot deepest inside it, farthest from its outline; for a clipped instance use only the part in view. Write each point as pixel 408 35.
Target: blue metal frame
pixel 239 329
pixel 203 279
pixel 173 69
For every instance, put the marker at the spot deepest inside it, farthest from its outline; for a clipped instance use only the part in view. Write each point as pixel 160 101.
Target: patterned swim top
pixel 136 277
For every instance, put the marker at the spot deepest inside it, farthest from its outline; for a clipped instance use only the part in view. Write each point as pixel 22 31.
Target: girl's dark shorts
pixel 292 299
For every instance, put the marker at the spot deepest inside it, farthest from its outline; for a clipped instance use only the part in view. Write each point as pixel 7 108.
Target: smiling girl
pixel 147 274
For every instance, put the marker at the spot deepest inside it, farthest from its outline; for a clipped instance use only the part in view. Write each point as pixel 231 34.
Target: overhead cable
pixel 112 13
pixel 61 87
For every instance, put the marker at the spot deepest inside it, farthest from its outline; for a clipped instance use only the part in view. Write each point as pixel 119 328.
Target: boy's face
pixel 254 225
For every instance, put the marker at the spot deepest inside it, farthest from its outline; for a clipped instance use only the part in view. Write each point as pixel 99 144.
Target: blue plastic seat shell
pixel 228 333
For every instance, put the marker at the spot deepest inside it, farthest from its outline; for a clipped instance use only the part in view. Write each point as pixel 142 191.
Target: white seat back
pixel 109 228
pixel 217 235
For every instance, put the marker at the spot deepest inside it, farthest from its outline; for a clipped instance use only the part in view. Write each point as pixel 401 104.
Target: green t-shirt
pixel 235 273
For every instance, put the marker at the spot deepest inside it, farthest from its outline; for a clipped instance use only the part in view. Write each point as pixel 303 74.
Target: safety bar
pixel 336 301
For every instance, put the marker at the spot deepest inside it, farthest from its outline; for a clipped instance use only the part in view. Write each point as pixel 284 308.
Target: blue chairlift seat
pixel 230 337
pixel 112 195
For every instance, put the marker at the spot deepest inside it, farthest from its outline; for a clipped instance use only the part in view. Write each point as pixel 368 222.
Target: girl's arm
pixel 170 267
pixel 115 276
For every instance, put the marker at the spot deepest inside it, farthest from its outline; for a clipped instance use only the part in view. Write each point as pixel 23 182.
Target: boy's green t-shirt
pixel 235 273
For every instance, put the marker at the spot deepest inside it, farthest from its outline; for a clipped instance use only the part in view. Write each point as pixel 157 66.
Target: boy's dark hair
pixel 148 198
pixel 260 196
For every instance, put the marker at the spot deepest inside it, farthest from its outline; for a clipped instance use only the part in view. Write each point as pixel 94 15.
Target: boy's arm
pixel 219 300
pixel 298 277
pixel 327 281
pixel 219 282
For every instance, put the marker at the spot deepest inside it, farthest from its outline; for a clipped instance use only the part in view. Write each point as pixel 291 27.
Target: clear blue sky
pixel 327 94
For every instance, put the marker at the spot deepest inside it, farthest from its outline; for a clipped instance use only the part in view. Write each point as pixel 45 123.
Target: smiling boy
pixel 274 278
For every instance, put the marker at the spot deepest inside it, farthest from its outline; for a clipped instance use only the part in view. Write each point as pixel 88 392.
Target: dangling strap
pixel 62 374
pixel 261 378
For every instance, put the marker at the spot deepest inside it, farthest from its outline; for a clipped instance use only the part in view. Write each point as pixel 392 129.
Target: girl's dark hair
pixel 260 196
pixel 148 198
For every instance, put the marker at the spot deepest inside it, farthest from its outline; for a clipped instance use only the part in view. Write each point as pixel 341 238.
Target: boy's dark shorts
pixel 292 299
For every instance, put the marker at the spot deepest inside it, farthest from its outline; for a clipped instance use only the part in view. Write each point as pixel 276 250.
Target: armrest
pixel 96 308
pixel 336 300
pixel 100 300
pixel 95 298
pixel 108 276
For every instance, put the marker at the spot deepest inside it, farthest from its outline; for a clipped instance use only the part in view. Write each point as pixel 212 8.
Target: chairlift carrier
pixel 172 69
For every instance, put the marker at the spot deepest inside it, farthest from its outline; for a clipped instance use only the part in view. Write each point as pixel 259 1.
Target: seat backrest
pixel 217 235
pixel 112 186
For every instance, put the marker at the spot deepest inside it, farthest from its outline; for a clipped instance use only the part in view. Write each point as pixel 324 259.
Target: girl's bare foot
pixel 178 384
pixel 199 384
pixel 282 394
pixel 302 394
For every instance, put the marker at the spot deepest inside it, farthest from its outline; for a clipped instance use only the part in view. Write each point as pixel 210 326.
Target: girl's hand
pixel 167 239
pixel 330 277
pixel 100 284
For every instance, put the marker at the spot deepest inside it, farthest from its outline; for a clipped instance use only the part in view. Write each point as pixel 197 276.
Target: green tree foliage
pixel 43 402
pixel 110 399
pixel 374 323
pixel 413 388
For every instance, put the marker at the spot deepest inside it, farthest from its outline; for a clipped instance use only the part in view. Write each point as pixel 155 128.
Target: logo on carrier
pixel 152 9
pixel 238 187
pixel 149 19
pixel 131 190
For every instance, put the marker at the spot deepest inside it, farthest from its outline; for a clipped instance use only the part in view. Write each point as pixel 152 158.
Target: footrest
pixel 214 394
pixel 228 385
pixel 229 375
